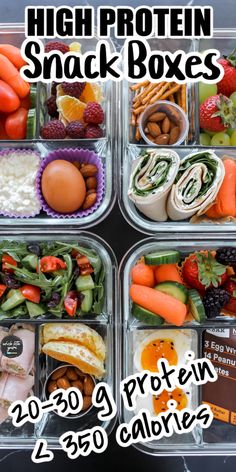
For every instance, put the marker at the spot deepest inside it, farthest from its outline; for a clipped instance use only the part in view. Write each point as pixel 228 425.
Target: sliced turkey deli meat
pixel 15 388
pixel 153 174
pixel 3 379
pixel 3 414
pixel 22 364
pixel 197 184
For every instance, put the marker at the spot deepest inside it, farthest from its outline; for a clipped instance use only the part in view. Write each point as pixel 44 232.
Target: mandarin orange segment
pixel 91 93
pixel 71 108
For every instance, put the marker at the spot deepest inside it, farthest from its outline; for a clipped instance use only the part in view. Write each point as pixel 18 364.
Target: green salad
pixel 49 279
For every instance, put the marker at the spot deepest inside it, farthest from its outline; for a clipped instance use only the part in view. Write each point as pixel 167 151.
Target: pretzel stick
pixel 183 97
pixel 152 93
pixel 139 85
pixel 160 92
pixel 133 120
pixel 137 104
pixel 170 92
pixel 137 134
pixel 171 98
pixel 144 91
pixel 139 110
pixel 178 94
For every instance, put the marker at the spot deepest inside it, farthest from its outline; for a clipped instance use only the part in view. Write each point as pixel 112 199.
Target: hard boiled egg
pixel 63 186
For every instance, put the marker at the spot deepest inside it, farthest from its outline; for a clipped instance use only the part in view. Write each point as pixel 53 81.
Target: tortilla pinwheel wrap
pixel 153 174
pixel 197 183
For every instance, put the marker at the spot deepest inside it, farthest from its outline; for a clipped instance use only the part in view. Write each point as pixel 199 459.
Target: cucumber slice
pixel 84 282
pixel 33 95
pixel 174 289
pixel 13 301
pixel 146 316
pixel 162 257
pixel 34 309
pixel 30 261
pixel 196 306
pixel 31 124
pixel 87 302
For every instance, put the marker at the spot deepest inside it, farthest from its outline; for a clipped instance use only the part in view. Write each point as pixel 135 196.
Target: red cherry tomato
pixel 31 293
pixel 6 259
pixel 84 265
pixel 16 124
pixel 2 289
pixel 9 100
pixel 51 264
pixel 70 306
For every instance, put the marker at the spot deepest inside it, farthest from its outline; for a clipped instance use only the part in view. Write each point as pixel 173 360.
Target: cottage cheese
pixel 18 195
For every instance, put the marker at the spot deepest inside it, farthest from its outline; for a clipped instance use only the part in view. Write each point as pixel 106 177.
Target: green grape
pixel 206 91
pixel 210 133
pixel 233 98
pixel 205 139
pixel 230 131
pixel 220 139
pixel 233 138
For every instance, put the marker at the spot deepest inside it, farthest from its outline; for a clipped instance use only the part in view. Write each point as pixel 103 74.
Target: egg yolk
pixel 160 401
pixel 155 350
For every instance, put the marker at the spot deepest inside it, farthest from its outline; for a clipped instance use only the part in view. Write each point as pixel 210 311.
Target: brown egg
pixel 63 186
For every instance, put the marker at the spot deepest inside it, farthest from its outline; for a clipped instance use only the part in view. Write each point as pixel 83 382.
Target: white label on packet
pixel 219 332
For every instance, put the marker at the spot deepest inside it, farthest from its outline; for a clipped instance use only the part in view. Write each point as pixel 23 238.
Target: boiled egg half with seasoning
pixel 150 346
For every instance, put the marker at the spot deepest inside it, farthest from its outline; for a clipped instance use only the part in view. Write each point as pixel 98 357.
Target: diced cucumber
pixel 31 124
pixel 87 302
pixel 84 282
pixel 146 316
pixel 33 95
pixel 30 261
pixel 34 309
pixel 13 301
pixel 162 257
pixel 174 289
pixel 196 306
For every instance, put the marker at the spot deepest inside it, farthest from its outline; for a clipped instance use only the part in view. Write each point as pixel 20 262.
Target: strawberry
pixel 217 113
pixel 202 271
pixel 227 85
pixel 230 287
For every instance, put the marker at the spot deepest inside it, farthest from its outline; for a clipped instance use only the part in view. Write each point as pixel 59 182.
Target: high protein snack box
pixel 100 154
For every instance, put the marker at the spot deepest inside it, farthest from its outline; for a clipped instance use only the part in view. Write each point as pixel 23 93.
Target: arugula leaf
pixel 98 294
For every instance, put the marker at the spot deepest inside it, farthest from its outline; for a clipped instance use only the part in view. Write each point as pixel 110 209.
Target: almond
pixel 174 134
pixel 91 190
pixel 89 201
pixel 163 139
pixel 165 126
pixel 88 170
pixel 154 129
pixel 150 137
pixel 91 182
pixel 158 116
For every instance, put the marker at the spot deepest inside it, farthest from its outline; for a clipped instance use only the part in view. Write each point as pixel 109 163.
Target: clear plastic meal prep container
pixel 105 147
pixel 52 426
pixel 225 42
pixel 220 437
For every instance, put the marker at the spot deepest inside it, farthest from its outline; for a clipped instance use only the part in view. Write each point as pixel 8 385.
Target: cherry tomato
pixel 26 102
pixel 6 259
pixel 31 293
pixel 3 134
pixel 84 265
pixel 9 100
pixel 70 305
pixel 2 289
pixel 51 263
pixel 16 124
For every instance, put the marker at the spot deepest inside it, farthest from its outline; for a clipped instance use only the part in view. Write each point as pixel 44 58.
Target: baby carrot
pixel 13 54
pixel 167 272
pixel 10 75
pixel 226 199
pixel 142 274
pixel 166 306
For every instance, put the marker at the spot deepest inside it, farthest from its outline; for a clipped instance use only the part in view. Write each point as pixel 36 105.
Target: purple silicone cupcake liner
pixel 72 155
pixel 7 152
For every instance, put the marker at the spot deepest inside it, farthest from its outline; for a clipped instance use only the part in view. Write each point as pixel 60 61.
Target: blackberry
pixel 73 89
pixel 213 300
pixel 226 255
